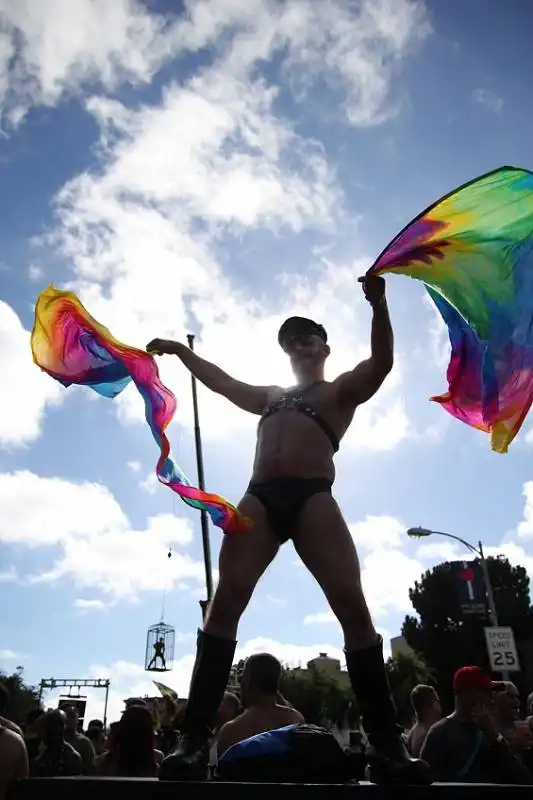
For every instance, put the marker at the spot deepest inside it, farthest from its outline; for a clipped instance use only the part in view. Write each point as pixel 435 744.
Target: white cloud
pixel 525 527
pixel 439 340
pixel 8 655
pixel 9 575
pixel 39 511
pixel 517 544
pixel 275 600
pixel 292 655
pixel 93 542
pixel 356 47
pixel 439 551
pixel 387 573
pixel 376 532
pixel 517 554
pixel 49 51
pixel 86 606
pixel 24 391
pixel 35 273
pixel 489 99
pixel 135 466
pixel 320 618
pixel 387 576
pixel 150 483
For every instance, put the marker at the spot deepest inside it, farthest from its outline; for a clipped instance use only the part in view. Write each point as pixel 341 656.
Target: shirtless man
pixel 259 694
pixel 13 759
pixel 289 497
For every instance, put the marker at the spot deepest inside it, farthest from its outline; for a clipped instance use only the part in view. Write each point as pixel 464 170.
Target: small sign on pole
pixel 470 586
pixel 501 649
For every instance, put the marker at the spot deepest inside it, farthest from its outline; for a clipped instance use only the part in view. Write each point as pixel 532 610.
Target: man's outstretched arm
pixel 363 382
pixel 250 398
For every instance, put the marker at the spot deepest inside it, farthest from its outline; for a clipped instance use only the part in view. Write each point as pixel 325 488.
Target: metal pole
pixel 105 704
pixel 493 614
pixel 201 484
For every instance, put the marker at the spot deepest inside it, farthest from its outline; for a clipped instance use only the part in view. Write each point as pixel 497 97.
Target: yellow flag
pixel 166 691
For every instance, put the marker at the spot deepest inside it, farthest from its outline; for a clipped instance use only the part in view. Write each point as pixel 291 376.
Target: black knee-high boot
pixel 391 763
pixel 189 759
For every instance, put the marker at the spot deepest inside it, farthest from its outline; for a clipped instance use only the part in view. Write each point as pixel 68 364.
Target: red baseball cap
pixel 468 678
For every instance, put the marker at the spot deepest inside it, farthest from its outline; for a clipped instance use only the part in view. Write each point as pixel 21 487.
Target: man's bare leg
pixel 326 547
pixel 243 559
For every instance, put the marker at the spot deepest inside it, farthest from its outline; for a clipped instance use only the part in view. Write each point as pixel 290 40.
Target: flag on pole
pixel 166 691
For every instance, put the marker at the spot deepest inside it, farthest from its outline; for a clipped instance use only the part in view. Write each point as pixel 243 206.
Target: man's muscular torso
pixel 291 444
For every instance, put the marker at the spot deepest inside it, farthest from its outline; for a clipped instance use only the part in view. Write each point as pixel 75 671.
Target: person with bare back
pixel 289 497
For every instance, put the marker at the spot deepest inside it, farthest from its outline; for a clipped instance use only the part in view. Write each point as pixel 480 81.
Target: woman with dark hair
pixel 133 754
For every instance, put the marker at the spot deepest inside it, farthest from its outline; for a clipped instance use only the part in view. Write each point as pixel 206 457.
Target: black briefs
pixel 284 498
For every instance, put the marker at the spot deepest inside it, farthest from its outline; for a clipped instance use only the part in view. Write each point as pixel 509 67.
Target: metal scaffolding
pixel 77 683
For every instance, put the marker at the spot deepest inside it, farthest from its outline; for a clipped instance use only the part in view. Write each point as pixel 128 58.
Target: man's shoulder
pixel 10 736
pixel 81 739
pixel 237 722
pixel 416 731
pixel 71 750
pixel 291 715
pixel 275 392
pixel 443 727
pixel 10 726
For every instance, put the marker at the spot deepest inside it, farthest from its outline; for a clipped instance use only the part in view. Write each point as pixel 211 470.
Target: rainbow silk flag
pixel 72 347
pixel 473 250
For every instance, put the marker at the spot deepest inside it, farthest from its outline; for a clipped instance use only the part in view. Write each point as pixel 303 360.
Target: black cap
pixel 295 326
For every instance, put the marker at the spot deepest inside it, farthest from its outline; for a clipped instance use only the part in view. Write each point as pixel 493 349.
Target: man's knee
pixel 350 608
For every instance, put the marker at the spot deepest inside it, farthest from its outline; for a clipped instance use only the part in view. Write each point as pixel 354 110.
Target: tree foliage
pixel 321 699
pixel 405 671
pixel 445 637
pixel 22 697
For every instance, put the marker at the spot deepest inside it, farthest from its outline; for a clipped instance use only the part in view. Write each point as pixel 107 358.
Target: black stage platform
pixel 146 789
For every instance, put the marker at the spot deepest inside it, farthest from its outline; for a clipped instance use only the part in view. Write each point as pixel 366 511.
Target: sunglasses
pixel 302 339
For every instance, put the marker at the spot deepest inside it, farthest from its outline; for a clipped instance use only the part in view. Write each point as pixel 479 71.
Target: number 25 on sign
pixel 501 649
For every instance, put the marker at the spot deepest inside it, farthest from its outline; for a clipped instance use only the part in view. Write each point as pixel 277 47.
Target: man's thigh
pixel 325 545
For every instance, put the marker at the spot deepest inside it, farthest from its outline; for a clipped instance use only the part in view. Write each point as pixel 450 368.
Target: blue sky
pixel 213 171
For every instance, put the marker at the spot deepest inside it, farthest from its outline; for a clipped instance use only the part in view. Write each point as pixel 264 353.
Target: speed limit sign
pixel 501 649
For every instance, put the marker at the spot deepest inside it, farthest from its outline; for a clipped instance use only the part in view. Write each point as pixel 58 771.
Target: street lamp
pixel 422 533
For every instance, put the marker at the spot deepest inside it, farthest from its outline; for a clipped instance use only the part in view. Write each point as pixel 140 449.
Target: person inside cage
pixel 159 652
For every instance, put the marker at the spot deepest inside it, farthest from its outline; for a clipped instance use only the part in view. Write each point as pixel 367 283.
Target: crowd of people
pixel 483 740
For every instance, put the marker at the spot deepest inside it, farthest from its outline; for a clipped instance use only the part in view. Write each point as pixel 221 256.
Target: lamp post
pixel 422 533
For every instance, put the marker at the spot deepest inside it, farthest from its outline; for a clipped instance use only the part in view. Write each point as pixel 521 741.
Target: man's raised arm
pixel 362 383
pixel 250 398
